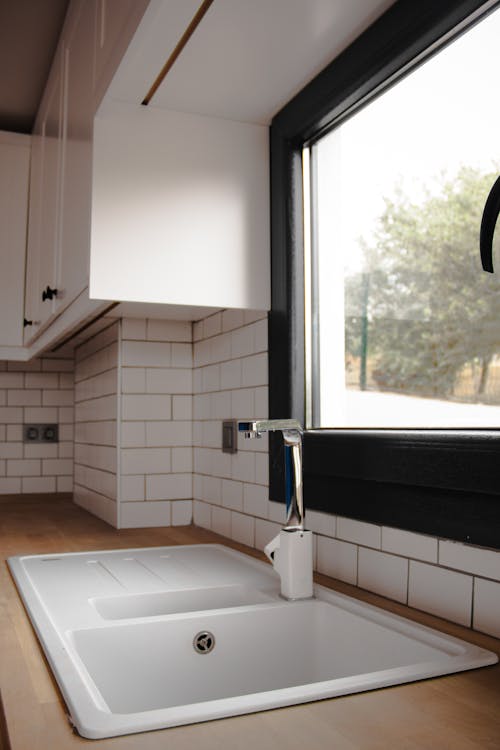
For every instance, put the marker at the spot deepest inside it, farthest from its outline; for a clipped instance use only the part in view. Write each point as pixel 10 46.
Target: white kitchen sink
pixel 152 638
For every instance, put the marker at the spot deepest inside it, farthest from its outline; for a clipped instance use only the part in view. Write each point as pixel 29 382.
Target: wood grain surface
pixel 459 712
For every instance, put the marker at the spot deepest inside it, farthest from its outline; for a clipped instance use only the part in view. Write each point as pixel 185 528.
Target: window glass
pixel 405 325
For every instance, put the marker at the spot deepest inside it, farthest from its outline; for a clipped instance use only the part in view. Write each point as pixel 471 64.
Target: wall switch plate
pixel 229 436
pixel 40 433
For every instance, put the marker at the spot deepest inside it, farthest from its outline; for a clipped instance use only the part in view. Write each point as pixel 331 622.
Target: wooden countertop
pixel 460 711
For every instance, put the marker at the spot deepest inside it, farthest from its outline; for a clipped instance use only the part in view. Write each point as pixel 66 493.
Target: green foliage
pixel 431 308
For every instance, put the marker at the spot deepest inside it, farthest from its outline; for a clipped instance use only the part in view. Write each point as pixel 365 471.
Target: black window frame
pixel 440 482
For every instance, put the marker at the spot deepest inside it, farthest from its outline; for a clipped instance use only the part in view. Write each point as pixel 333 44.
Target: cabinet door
pixel 32 287
pixel 14 171
pixel 76 162
pixel 50 225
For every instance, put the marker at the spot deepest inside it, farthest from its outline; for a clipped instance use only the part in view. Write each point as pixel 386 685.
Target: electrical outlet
pixel 41 433
pixel 229 436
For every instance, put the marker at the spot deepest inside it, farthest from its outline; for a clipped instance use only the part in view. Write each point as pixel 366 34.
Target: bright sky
pixel 445 114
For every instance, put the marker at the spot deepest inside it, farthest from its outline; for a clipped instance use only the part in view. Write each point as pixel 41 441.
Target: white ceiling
pixel 246 59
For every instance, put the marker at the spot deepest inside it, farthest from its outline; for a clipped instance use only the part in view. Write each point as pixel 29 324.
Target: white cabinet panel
pixel 180 210
pixel 52 130
pixel 14 176
pixel 76 164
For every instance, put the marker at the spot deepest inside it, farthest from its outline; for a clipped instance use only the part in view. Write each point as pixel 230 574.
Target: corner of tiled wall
pixel 37 392
pixel 96 389
pixel 230 381
pixel 155 434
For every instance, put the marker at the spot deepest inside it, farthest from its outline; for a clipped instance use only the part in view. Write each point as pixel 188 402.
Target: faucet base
pixel 291 553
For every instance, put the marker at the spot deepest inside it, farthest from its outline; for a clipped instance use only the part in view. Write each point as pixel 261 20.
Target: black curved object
pixel 488 222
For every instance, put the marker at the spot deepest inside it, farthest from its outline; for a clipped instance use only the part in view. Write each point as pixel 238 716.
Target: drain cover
pixel 204 642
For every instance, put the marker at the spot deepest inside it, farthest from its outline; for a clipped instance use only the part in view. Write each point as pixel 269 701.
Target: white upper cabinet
pixel 76 162
pixel 14 177
pixel 180 209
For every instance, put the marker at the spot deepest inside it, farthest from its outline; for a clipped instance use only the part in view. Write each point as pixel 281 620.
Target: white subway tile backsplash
pixel 359 532
pixel 219 348
pixel 487 607
pixel 321 523
pixel 481 562
pixel 230 375
pixel 146 407
pixel 254 370
pixel 133 380
pixel 243 403
pixel 57 398
pixel 202 514
pixel 64 484
pixel 10 486
pixel 382 573
pixel 169 380
pixel 25 398
pixel 232 319
pixel 211 377
pixel 11 379
pixel 11 450
pixel 43 450
pixel 146 460
pixel 255 500
pixel 133 434
pixel 212 325
pixel 243 467
pixel 168 434
pixel 134 328
pixel 13 432
pixel 57 466
pixel 169 486
pixel 39 484
pixel 23 468
pixel 262 468
pixel 132 488
pixel 41 380
pixel 182 407
pixel 182 355
pixel 146 354
pixel 337 559
pixel 242 342
pixel 409 544
pixel 12 415
pixel 182 512
pixel 220 405
pixel 232 494
pixel 182 460
pixel 221 521
pixel 441 592
pixel 144 515
pixel 169 330
pixel 243 529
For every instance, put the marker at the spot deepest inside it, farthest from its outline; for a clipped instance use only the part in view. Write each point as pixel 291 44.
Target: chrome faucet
pixel 292 437
pixel 291 550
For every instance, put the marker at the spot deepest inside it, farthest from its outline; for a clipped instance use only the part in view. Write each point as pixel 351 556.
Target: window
pixel 380 171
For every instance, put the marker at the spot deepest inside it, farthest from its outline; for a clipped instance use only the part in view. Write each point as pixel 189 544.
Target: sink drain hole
pixel 204 642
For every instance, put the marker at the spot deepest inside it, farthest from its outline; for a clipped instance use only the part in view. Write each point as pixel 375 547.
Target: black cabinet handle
pixel 488 222
pixel 49 293
pixel 27 322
